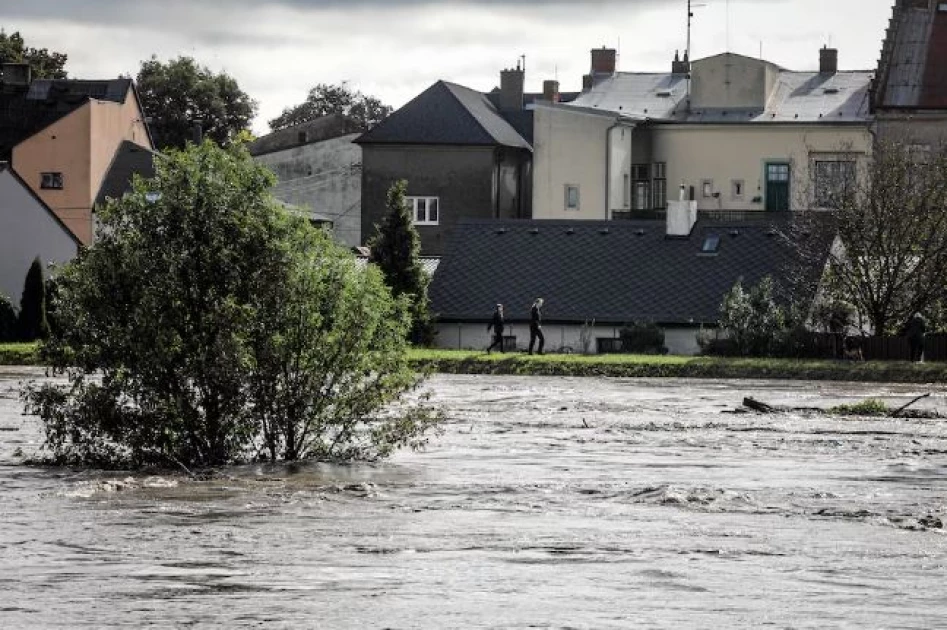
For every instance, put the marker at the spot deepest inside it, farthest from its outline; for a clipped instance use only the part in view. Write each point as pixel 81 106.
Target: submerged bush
pixel 207 325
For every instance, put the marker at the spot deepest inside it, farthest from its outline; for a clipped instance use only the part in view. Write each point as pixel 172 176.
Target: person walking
pixel 536 326
pixel 915 330
pixel 497 326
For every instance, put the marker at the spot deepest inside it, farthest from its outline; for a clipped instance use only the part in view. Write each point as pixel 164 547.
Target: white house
pixel 28 229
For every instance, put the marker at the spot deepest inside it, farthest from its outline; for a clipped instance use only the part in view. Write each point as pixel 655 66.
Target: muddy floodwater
pixel 546 503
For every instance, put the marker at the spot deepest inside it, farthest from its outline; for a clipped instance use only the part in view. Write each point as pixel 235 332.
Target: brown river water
pixel 546 503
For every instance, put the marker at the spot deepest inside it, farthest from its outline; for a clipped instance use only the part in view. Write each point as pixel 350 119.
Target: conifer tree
pixel 396 249
pixel 32 323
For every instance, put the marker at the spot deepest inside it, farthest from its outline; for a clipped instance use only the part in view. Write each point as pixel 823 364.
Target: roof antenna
pixel 728 25
pixel 690 17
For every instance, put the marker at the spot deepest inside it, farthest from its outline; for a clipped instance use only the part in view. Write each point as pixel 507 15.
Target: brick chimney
pixel 828 60
pixel 680 66
pixel 603 61
pixel 511 88
pixel 18 74
pixel 551 91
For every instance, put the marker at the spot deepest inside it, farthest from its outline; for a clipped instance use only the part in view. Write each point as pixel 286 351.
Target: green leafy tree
pixel 753 321
pixel 209 325
pixel 396 249
pixel 8 330
pixel 43 63
pixel 180 94
pixel 31 322
pixel 325 99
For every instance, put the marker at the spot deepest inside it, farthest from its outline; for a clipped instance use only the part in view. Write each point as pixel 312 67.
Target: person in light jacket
pixel 536 326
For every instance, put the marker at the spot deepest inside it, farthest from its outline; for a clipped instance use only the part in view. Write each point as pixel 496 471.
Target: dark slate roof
pixel 613 272
pixel 912 73
pixel 318 130
pixel 446 114
pixel 114 90
pixel 129 159
pixel 26 111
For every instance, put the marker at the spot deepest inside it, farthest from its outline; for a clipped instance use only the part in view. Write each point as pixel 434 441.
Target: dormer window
pixel 51 181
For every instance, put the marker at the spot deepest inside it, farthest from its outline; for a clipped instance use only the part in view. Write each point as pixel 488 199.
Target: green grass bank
pixel 629 366
pixel 635 366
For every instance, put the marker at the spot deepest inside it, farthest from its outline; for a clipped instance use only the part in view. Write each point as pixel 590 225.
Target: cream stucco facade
pixel 727 164
pixel 80 146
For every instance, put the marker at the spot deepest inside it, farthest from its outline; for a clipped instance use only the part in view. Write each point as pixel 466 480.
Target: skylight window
pixel 711 244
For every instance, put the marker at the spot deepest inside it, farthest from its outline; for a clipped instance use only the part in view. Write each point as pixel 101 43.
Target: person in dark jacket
pixel 536 326
pixel 915 330
pixel 497 326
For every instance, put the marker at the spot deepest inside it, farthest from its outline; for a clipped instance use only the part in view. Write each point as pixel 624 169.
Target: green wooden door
pixel 777 186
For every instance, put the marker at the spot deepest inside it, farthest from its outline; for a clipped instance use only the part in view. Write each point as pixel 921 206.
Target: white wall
pixel 679 341
pixel 569 147
pixel 730 81
pixel 324 177
pixel 724 153
pixel 619 166
pixel 27 230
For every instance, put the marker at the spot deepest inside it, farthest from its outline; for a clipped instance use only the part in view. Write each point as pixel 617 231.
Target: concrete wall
pixel 619 167
pixel 913 127
pixel 464 178
pixel 325 178
pixel 731 81
pixel 27 230
pixel 724 153
pixel 81 146
pixel 679 341
pixel 570 148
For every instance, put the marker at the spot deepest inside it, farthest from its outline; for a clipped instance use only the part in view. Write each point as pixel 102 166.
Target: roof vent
pixel 502 231
pixel 734 233
pixel 534 231
pixel 640 232
pixel 831 90
pixel 604 231
pixel 664 94
pixel 570 231
pixel 771 232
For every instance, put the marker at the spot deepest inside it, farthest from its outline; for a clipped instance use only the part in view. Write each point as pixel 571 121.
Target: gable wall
pixel 26 231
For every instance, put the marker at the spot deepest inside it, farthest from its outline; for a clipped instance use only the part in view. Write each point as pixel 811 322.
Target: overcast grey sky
pixel 393 49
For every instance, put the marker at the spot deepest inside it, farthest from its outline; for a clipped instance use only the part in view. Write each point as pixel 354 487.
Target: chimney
pixel 551 91
pixel 603 61
pixel 828 60
pixel 18 74
pixel 679 66
pixel 681 214
pixel 586 82
pixel 511 88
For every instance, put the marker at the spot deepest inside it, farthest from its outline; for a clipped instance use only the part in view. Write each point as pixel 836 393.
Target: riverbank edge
pixel 688 368
pixel 627 366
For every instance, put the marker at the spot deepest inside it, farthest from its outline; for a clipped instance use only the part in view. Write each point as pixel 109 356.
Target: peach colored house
pixel 61 137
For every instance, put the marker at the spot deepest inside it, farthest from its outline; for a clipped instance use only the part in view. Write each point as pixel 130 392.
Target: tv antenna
pixel 690 18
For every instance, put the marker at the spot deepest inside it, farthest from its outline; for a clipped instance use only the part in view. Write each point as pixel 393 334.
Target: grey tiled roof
pixel 797 97
pixel 614 272
pixel 912 71
pixel 446 113
pixel 129 159
pixel 318 130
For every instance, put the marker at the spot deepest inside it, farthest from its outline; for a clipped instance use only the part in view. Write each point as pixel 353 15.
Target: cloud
pixel 393 49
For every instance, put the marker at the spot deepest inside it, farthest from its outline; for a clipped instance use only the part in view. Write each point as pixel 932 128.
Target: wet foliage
pixel 208 325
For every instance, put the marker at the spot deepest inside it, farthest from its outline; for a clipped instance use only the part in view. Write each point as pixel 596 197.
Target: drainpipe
pixel 608 168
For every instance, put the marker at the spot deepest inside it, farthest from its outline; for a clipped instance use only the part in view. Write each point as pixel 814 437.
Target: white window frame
pixel 570 204
pixel 51 181
pixel 420 207
pixel 825 191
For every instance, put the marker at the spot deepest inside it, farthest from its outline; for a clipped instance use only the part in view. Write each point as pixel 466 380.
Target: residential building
pixel 318 169
pixel 61 137
pixel 463 153
pixel 910 94
pixel 734 134
pixel 597 276
pixel 29 229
